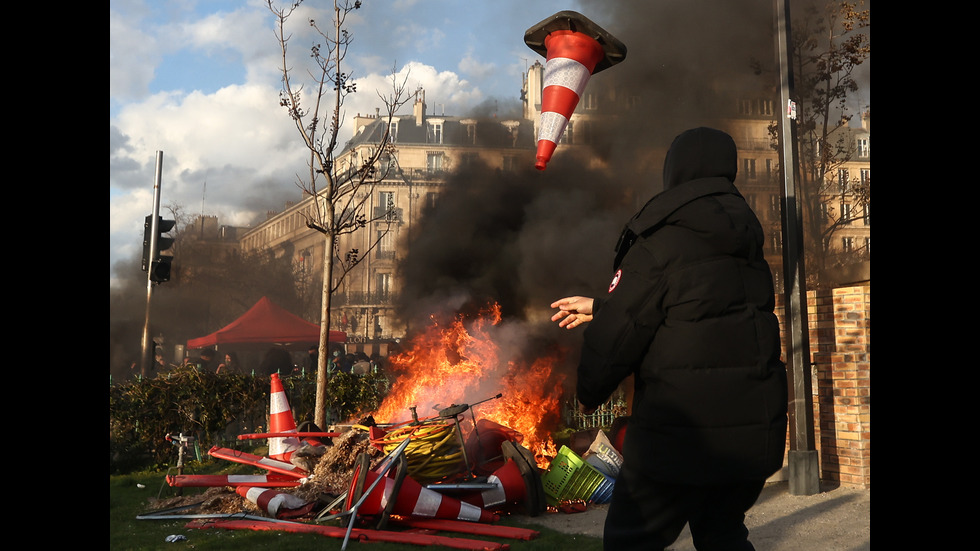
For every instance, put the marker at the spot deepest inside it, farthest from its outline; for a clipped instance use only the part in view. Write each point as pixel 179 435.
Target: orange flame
pixel 461 364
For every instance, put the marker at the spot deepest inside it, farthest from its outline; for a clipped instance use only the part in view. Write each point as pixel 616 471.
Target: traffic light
pixel 157 264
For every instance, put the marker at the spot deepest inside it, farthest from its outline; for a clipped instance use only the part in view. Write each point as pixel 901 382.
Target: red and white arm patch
pixel 615 280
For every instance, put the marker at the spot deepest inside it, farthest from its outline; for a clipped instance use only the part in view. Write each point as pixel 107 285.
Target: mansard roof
pixel 490 132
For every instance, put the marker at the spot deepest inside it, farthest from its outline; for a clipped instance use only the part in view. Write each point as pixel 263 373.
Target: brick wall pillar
pixel 843 387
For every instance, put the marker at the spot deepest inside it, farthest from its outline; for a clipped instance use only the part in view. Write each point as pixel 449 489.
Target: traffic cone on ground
pixel 278 504
pixel 571 45
pixel 510 488
pixel 413 500
pixel 281 421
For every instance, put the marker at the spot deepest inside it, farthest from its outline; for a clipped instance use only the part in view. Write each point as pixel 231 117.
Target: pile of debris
pixel 420 473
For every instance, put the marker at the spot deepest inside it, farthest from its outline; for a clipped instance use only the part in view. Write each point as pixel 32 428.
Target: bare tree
pixel 340 184
pixel 830 40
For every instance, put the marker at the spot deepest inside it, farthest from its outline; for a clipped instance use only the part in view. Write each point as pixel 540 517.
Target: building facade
pixel 427 148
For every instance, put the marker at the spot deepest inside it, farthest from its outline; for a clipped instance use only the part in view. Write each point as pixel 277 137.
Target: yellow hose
pixel 432 453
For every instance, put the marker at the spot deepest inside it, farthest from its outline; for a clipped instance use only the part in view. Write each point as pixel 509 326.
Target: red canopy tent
pixel 265 324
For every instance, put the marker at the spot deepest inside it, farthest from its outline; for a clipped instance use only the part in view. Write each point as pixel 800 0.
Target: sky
pixel 198 80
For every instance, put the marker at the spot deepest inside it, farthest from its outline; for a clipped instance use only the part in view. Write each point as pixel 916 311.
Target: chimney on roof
pixel 419 109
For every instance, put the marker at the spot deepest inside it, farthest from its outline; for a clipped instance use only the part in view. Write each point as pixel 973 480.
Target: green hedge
pixel 215 408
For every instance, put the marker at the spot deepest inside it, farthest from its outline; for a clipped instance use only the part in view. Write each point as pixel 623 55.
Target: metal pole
pixel 390 461
pixel 804 469
pixel 148 347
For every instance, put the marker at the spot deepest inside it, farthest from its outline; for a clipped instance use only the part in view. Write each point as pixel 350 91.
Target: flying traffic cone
pixel 412 500
pixel 278 504
pixel 575 49
pixel 281 421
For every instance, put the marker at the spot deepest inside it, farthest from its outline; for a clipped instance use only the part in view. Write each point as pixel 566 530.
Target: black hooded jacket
pixel 690 313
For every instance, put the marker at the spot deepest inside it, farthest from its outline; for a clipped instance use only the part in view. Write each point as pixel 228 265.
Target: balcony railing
pixel 358 298
pixel 392 214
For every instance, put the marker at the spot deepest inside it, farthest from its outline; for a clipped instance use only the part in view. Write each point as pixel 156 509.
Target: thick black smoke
pixel 518 239
pixel 525 239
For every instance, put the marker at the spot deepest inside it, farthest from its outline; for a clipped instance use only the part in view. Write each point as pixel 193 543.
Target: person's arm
pixel 617 339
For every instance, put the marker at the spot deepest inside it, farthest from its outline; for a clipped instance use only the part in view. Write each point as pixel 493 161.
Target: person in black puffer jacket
pixel 689 314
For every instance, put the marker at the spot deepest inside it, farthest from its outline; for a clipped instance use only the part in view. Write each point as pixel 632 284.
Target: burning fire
pixel 461 363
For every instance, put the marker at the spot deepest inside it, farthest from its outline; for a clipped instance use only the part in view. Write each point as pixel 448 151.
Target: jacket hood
pixel 700 153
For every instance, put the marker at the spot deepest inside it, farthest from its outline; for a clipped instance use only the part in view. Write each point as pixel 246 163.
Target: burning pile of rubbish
pixel 460 468
pixel 449 471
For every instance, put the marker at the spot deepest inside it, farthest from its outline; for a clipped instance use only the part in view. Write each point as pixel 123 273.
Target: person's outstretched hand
pixel 572 311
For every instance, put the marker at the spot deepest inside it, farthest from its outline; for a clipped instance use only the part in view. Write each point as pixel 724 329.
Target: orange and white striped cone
pixel 571 58
pixel 510 487
pixel 281 421
pixel 413 500
pixel 575 49
pixel 278 504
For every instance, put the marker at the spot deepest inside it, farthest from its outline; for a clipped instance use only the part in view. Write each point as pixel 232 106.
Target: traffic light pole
pixel 148 347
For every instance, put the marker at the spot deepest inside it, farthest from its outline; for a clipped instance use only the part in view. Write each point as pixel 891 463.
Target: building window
pixel 758 106
pixel 471 134
pixel 775 206
pixel 866 176
pixel 863 147
pixel 867 246
pixel 566 136
pixel 776 238
pixel 770 169
pixel 764 106
pixel 748 168
pixel 842 180
pixel 393 131
pixel 847 244
pixel 435 130
pixel 430 200
pixel 386 205
pixel 433 162
pixel 590 102
pixel 825 214
pixel 845 213
pixel 385 248
pixel 584 129
pixel 382 284
pixel 867 214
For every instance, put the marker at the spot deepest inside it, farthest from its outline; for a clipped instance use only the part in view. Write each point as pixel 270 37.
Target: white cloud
pixel 469 65
pixel 229 149
pixel 132 58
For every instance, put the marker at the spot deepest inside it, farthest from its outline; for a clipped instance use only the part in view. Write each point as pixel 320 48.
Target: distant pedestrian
pixel 276 360
pixel 207 362
pixel 362 365
pixel 313 358
pixel 230 364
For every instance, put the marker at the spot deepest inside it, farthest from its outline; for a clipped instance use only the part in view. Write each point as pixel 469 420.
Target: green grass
pixel 130 496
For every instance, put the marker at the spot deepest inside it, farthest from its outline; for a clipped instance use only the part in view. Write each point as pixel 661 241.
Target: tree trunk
pixel 323 358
